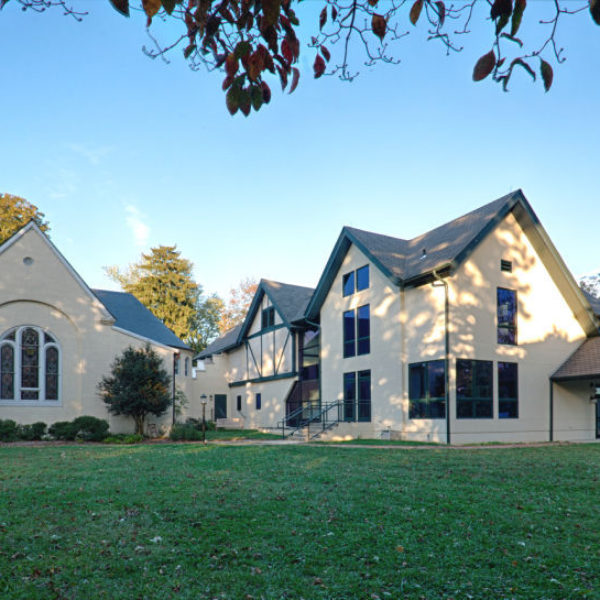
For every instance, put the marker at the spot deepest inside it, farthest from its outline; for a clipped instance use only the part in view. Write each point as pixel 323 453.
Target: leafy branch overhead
pixel 253 42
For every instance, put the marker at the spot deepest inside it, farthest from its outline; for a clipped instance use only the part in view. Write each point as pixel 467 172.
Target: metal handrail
pixel 315 417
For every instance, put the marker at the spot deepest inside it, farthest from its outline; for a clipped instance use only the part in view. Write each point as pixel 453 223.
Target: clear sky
pixel 122 153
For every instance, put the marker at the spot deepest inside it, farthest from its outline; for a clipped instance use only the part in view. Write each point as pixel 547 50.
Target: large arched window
pixel 29 366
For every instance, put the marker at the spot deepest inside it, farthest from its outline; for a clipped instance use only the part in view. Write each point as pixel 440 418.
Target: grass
pixel 189 521
pixel 375 442
pixel 240 434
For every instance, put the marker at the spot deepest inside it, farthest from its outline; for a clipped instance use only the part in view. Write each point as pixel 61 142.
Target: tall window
pixel 507 316
pixel 258 401
pixel 362 278
pixel 474 389
pixel 348 284
pixel 357 396
pixel 508 390
pixel 349 334
pixel 357 331
pixel 186 366
pixel 427 390
pixel 29 365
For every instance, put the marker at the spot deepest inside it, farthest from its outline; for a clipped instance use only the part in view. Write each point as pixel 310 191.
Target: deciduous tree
pixel 16 212
pixel 137 386
pixel 255 41
pixel 237 304
pixel 204 326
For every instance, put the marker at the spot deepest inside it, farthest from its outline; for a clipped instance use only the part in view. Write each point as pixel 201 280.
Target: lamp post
pixel 203 402
pixel 175 369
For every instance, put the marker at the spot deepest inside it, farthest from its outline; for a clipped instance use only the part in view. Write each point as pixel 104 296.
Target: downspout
pixel 551 436
pixel 447 350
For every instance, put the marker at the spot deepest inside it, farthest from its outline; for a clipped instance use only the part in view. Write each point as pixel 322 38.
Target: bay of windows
pixel 29 365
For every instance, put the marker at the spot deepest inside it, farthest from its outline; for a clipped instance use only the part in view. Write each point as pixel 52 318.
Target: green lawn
pixel 188 521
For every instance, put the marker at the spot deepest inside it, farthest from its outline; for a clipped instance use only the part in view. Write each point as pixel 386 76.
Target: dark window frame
pixel 348 283
pixel 472 403
pixel 425 404
pixel 357 397
pixel 349 333
pixel 354 281
pixel 258 399
pixel 360 275
pixel 508 404
pixel 363 342
pixel 238 401
pixel 349 395
pixel 506 265
pixel 268 317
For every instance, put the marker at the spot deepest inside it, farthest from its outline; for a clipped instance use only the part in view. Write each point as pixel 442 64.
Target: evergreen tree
pixel 16 212
pixel 165 286
pixel 137 386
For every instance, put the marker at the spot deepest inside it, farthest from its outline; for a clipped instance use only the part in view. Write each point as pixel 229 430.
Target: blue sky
pixel 123 153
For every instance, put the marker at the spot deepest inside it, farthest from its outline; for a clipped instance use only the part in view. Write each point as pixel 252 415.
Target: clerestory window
pixel 30 366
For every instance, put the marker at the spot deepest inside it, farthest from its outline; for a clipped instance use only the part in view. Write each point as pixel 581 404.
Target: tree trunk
pixel 139 424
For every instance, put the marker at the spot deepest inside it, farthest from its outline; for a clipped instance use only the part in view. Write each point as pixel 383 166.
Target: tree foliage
pixel 236 306
pixel 204 326
pixel 15 212
pixel 162 281
pixel 255 41
pixel 137 386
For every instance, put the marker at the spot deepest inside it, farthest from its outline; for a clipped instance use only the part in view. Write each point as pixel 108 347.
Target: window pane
pixel 427 390
pixel 30 343
pixel 7 372
pixel 437 379
pixel 362 278
pixel 507 316
pixel 508 391
pixel 349 396
pixel 364 330
pixel 349 333
pixel 51 374
pixel 258 401
pixel 474 389
pixel 416 382
pixel 364 395
pixel 348 284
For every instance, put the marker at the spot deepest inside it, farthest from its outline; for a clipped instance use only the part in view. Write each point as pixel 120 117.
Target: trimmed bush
pixel 90 429
pixel 197 424
pixel 33 432
pixel 62 430
pixel 9 431
pixel 185 431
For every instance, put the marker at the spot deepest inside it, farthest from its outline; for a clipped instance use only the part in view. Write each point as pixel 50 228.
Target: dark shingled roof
pixel 583 363
pixel 225 342
pixel 291 300
pixel 133 316
pixel 407 259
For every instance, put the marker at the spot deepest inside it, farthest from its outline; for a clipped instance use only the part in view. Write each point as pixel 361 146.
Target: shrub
pixel 9 431
pixel 197 424
pixel 123 438
pixel 32 432
pixel 90 429
pixel 185 431
pixel 62 430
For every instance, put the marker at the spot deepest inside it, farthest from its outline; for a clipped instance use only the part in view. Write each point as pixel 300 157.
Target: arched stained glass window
pixel 29 365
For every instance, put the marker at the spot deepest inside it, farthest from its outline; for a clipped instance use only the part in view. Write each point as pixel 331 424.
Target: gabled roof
pixel 32 226
pixel 445 248
pixel 225 342
pixel 584 363
pixel 131 315
pixel 290 301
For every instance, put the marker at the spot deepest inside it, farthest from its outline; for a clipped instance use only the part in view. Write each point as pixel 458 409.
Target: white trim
pixel 106 315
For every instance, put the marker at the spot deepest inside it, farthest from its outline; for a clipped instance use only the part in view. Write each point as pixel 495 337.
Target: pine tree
pixel 16 212
pixel 165 286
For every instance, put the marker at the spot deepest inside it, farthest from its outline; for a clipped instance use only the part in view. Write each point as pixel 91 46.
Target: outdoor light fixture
pixel 203 402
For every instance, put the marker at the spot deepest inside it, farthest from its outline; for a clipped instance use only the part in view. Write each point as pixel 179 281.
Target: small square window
pixel 348 284
pixel 506 265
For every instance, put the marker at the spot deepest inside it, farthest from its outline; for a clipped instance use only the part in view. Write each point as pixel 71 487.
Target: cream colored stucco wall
pixel 384 360
pixel 47 295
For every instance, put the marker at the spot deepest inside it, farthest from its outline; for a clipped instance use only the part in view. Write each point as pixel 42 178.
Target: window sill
pixel 49 403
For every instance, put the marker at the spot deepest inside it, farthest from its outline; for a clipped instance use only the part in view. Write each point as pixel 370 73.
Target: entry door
pixel 220 406
pixel 597 419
